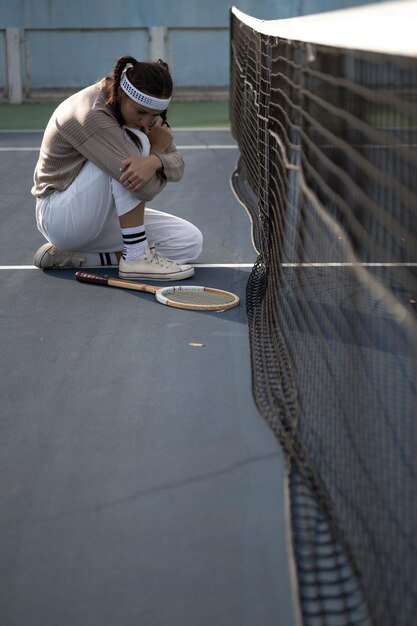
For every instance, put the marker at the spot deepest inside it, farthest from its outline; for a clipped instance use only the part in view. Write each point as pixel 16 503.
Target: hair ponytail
pixel 120 66
pixel 113 85
pixel 164 65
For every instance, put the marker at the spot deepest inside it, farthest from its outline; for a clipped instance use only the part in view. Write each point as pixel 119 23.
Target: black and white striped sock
pixel 97 259
pixel 108 258
pixel 134 243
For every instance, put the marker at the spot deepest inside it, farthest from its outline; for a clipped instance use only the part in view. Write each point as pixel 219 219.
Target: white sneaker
pixel 50 256
pixel 154 266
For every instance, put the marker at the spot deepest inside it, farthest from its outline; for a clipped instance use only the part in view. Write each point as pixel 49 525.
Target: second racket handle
pixel 85 277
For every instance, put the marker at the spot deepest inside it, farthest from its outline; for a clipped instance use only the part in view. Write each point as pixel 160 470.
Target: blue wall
pixel 104 13
pixel 75 58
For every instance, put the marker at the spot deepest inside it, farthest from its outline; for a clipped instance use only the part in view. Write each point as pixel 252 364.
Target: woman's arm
pixel 164 160
pixel 105 144
pixel 161 139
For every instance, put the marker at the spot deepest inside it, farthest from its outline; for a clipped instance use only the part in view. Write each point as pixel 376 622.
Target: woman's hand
pixel 137 171
pixel 160 135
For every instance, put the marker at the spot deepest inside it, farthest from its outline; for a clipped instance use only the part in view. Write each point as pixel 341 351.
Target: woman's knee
pixel 193 242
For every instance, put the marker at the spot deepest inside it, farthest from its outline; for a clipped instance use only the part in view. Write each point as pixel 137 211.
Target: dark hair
pixel 153 79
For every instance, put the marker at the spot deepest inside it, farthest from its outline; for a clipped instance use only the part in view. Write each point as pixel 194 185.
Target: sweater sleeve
pixel 105 143
pixel 172 162
pixel 107 148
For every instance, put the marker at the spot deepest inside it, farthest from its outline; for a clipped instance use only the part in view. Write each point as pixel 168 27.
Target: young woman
pixel 106 151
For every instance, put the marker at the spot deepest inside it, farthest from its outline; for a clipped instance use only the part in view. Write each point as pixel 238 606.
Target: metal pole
pixel 14 77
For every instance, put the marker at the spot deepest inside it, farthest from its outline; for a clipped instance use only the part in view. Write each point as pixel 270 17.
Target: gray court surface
pixel 139 484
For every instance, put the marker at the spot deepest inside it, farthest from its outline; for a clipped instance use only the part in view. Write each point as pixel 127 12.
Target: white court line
pixel 226 146
pixel 190 129
pixel 241 265
pixel 18 267
pixel 349 264
pixel 25 149
pixel 202 146
pixel 102 267
pixel 214 265
pixel 189 147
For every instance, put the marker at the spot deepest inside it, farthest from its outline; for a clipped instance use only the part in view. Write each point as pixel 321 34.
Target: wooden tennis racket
pixel 181 297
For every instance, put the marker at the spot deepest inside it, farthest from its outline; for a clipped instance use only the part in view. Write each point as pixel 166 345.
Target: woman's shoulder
pixel 86 107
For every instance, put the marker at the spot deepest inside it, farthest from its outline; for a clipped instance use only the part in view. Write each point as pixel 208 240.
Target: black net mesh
pixel 328 172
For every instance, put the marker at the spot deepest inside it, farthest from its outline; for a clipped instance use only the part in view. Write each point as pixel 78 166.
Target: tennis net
pixel 324 111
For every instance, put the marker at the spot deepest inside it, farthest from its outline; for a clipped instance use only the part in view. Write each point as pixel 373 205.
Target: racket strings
pixel 203 297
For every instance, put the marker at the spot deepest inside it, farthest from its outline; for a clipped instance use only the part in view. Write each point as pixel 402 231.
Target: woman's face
pixel 136 115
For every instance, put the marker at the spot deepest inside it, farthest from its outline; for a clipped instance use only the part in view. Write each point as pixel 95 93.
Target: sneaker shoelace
pixel 65 259
pixel 158 259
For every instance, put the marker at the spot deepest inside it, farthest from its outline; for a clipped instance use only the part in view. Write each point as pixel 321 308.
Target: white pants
pixel 85 218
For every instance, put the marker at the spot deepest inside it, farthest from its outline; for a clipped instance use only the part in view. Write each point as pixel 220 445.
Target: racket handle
pixel 85 277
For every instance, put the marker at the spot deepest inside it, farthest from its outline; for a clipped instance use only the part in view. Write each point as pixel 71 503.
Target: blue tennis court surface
pixel 139 484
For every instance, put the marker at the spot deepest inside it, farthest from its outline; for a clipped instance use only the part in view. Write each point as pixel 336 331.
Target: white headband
pixel 158 104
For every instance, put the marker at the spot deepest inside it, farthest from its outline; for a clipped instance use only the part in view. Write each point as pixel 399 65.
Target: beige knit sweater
pixel 83 128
